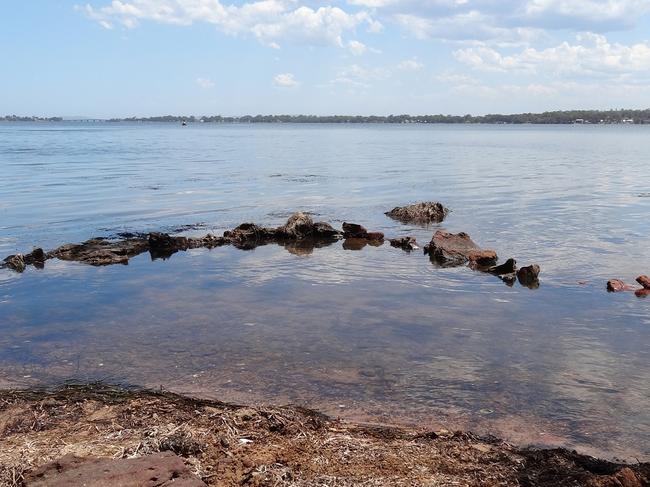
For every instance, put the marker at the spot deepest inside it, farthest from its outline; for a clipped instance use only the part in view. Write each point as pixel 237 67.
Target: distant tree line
pixel 556 117
pixel 16 118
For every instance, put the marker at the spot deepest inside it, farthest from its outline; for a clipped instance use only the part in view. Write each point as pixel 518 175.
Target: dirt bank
pixel 228 445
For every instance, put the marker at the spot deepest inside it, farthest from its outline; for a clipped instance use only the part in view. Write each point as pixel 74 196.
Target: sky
pixel 123 58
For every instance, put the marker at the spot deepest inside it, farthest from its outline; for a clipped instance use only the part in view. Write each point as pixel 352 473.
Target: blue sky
pixel 106 58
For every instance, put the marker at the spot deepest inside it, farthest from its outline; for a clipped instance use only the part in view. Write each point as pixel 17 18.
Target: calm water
pixel 376 334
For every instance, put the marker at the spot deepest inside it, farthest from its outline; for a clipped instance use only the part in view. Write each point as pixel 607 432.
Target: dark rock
pixel 209 241
pixel 163 245
pixel 100 252
pixel 528 275
pixel 15 262
pixel 451 249
pixel 247 236
pixel 352 230
pixel 617 286
pixel 642 293
pixel 35 257
pixel 300 226
pixel 422 213
pixel 508 267
pixel 158 470
pixel 644 281
pixel 404 243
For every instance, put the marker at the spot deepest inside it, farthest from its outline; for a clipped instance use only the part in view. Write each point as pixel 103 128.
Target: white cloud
pixel 593 55
pixel 267 20
pixel 410 65
pixel 505 20
pixel 205 83
pixel 360 76
pixel 285 80
pixel 357 48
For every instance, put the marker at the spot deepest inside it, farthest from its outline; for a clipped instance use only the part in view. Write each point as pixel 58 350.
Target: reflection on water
pixel 373 334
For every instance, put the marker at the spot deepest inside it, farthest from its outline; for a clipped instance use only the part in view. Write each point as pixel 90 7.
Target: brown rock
pixel 300 226
pixel 642 293
pixel 616 286
pixel 35 257
pixel 452 249
pixel 482 258
pixel 355 243
pixel 422 213
pixel 352 230
pixel 644 281
pixel 158 470
pixel 163 245
pixel 528 275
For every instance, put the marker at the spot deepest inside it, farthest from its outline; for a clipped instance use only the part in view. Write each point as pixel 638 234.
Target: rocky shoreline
pixel 101 435
pixel 301 235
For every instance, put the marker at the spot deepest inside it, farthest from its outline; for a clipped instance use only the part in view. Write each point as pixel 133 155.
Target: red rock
pixel 644 281
pixel 158 470
pixel 483 258
pixel 642 293
pixel 451 249
pixel 616 286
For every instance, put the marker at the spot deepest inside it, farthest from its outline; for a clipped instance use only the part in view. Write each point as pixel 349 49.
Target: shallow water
pixel 376 334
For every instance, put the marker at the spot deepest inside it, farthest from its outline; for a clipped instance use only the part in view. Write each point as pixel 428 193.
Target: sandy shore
pixel 228 445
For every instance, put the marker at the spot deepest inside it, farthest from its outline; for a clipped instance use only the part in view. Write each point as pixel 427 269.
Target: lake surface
pixel 375 334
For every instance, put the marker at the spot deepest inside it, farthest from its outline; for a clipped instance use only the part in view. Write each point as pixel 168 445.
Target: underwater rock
pixel 422 213
pixel 405 243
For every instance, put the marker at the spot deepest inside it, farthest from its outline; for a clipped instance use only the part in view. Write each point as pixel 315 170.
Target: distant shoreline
pixel 624 117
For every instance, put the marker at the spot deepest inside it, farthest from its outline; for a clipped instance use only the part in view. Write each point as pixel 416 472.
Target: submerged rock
pixel 100 252
pixel 422 213
pixel 642 293
pixel 405 243
pixel 451 249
